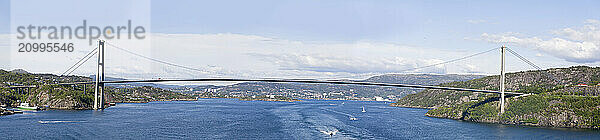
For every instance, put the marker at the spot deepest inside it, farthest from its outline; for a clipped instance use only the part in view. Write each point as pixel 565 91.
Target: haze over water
pixel 234 119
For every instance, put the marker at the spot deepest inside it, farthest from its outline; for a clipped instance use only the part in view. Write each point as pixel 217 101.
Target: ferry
pixel 25 106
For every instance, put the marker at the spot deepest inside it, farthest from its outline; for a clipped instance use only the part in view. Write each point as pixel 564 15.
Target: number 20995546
pixel 46 47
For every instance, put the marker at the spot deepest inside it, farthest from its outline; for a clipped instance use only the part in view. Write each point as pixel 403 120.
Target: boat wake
pixel 52 122
pixel 352 118
pixel 329 131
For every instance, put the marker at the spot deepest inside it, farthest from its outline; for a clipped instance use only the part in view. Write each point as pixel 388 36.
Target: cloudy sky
pixel 321 39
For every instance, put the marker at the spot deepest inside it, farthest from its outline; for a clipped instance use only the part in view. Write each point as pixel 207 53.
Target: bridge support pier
pixel 99 92
pixel 502 79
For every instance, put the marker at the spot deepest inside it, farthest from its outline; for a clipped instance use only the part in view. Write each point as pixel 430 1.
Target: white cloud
pixel 256 56
pixel 4 40
pixel 334 63
pixel 539 55
pixel 476 21
pixel 4 50
pixel 580 45
pixel 251 56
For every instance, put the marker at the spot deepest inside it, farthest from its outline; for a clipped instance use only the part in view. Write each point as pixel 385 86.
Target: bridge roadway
pixel 338 82
pixel 31 86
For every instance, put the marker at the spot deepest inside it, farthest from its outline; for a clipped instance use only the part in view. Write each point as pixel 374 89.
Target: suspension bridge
pixel 100 77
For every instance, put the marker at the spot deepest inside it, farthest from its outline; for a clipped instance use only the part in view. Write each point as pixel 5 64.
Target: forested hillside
pixel 562 97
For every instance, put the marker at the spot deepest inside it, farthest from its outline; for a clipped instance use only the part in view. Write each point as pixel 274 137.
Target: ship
pixel 25 106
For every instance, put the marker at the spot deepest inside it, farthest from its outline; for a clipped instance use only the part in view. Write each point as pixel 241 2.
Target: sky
pixel 319 39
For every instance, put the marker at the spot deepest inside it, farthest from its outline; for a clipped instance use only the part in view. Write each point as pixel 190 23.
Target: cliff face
pixel 563 103
pixel 60 98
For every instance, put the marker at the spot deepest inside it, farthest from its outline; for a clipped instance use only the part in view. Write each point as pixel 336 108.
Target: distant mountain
pixel 421 79
pixel 330 91
pixel 19 71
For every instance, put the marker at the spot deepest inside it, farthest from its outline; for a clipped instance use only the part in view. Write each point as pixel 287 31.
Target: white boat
pixel 25 106
pixel 330 133
pixel 364 109
pixel 353 118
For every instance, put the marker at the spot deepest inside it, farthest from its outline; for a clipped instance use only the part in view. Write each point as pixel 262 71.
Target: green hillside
pixel 71 97
pixel 568 98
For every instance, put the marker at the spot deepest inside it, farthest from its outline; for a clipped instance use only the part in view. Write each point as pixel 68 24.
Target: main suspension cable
pixel 533 64
pixel 80 60
pixel 159 61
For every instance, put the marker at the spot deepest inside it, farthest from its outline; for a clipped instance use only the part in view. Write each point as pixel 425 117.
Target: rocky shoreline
pixel 535 110
pixel 253 99
pixel 155 101
pixel 4 112
pixel 272 100
pixel 408 106
pixel 553 122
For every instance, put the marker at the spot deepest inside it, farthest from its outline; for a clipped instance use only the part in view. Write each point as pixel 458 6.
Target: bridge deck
pixel 31 86
pixel 299 81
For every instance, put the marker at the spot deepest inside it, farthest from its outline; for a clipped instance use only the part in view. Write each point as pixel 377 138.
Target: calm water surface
pixel 231 118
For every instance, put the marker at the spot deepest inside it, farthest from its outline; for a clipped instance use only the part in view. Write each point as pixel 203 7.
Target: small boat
pixel 25 106
pixel 353 118
pixel 364 109
pixel 330 133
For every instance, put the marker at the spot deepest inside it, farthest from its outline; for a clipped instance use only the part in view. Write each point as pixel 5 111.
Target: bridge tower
pixel 99 92
pixel 502 79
